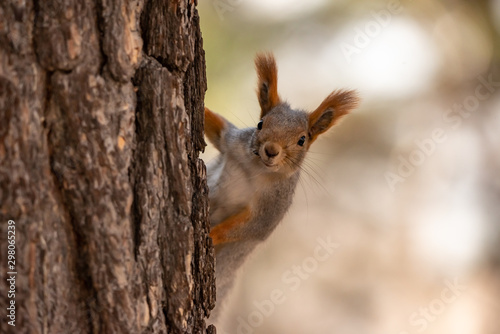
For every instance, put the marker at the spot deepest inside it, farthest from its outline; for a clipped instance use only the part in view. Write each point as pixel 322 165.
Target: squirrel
pixel 252 181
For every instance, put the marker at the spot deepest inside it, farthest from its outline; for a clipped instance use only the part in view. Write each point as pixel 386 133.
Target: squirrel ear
pixel 267 89
pixel 336 105
pixel 214 124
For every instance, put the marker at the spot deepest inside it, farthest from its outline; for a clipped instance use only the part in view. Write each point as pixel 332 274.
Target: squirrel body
pixel 252 181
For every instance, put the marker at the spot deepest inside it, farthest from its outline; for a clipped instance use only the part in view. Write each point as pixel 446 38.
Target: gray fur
pixel 258 169
pixel 238 178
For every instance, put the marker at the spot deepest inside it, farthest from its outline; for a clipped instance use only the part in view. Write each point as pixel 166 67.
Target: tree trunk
pixel 101 123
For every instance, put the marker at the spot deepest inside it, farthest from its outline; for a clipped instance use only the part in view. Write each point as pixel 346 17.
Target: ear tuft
pixel 267 88
pixel 214 125
pixel 336 105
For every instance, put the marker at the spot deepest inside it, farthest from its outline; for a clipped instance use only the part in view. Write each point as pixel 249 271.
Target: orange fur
pixel 340 102
pixel 267 89
pixel 214 124
pixel 259 168
pixel 223 232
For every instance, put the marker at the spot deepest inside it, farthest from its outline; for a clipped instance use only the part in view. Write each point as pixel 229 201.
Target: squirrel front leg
pixel 227 230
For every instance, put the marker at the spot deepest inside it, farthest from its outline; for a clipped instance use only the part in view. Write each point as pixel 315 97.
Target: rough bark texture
pixel 101 118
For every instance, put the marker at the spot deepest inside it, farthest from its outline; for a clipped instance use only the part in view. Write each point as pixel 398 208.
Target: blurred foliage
pixel 398 247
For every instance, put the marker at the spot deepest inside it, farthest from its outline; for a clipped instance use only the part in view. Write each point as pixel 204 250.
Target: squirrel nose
pixel 272 150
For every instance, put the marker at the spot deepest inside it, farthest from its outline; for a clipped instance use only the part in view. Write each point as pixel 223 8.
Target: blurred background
pixel 395 227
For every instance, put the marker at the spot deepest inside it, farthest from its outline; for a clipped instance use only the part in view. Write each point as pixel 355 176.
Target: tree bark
pixel 101 124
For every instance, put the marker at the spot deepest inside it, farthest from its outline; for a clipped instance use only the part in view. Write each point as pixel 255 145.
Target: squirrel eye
pixel 259 125
pixel 301 141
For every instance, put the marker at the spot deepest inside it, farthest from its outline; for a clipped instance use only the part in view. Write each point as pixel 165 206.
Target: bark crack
pixel 99 27
pixel 77 242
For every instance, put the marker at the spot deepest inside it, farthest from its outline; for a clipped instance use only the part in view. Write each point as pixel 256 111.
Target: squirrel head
pixel 283 135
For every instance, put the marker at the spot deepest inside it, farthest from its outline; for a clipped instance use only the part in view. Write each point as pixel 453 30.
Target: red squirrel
pixel 253 179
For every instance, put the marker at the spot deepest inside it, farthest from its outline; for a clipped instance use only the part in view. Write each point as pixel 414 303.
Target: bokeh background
pixel 407 187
